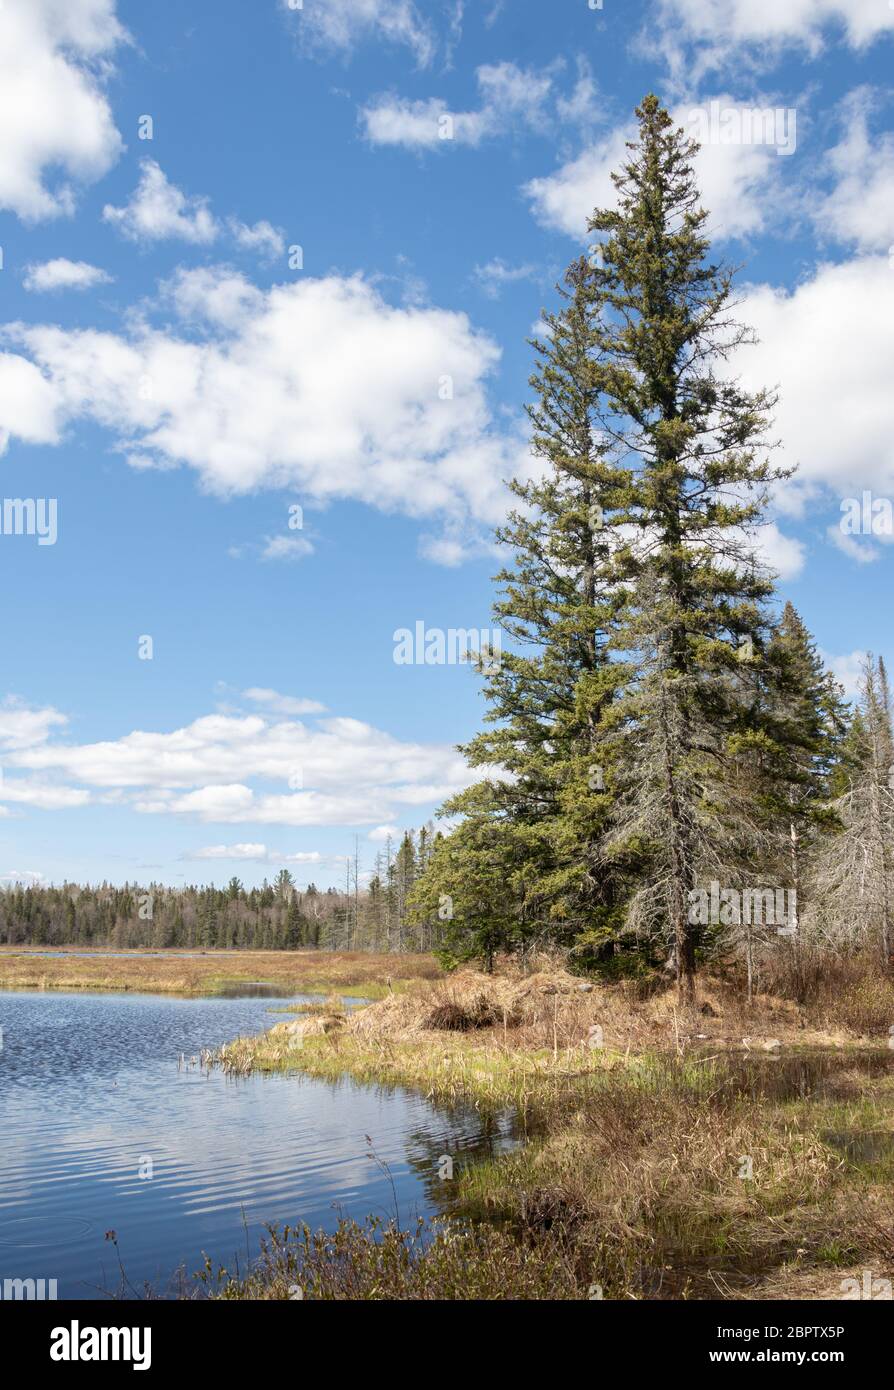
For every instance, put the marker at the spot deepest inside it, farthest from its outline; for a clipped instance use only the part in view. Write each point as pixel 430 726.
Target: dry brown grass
pixel 633 1165
pixel 352 972
pixel 552 1009
pixel 849 993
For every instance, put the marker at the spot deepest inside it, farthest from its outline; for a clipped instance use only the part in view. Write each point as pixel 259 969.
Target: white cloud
pixel 383 833
pixel 267 240
pixel 28 403
pixel 511 98
pixel 159 210
pixel 212 297
pixel 860 208
pixel 244 851
pixel 256 853
pixel 784 554
pixel 281 704
pixel 862 550
pixel 22 727
pixel 847 669
pixel 740 183
pixel 828 344
pixel 54 115
pixel 286 548
pixel 348 772
pixel 317 384
pixel 391 120
pixel 43 796
pixel 61 274
pixel 343 24
pixel 697 35
pixel 495 274
pixel 564 200
pixel 579 108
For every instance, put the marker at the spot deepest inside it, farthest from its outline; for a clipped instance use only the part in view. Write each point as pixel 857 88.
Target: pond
pixel 102 1128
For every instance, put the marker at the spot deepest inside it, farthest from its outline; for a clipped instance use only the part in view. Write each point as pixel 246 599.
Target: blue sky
pixel 177 374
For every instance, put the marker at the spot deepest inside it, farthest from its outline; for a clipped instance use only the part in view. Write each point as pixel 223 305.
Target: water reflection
pixel 102 1131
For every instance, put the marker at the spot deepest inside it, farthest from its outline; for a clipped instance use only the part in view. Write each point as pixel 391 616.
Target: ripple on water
pixel 103 1132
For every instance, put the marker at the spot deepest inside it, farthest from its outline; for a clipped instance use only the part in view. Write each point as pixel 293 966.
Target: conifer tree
pixel 773 806
pixel 809 715
pixel 698 455
pixel 854 881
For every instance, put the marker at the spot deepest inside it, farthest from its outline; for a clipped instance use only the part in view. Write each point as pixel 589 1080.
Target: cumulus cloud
pixel 28 404
pixel 510 98
pixel 286 548
pixel 828 347
pixel 255 853
pixel 62 274
pixel 860 207
pixel 56 126
pixel 22 726
pixel 43 796
pixel 211 297
pixel 158 210
pixel 336 772
pixel 318 384
pixel 695 36
pixel 784 555
pixel 266 240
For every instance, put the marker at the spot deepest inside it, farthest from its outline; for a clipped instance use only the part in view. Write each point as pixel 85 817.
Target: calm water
pixel 90 1089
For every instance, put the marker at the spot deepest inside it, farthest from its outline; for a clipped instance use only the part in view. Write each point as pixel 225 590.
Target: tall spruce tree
pixel 641 683
pixel 695 614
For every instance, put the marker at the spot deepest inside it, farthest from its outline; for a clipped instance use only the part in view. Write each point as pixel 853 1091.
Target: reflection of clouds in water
pixel 97 1090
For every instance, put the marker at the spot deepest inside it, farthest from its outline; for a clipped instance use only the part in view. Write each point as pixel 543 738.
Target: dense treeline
pixel 363 916
pixel 686 777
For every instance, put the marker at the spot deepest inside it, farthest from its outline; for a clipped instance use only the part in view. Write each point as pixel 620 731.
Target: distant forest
pixel 278 916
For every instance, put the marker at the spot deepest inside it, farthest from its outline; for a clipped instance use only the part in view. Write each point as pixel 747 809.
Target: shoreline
pixel 658 1171
pixel 731 1152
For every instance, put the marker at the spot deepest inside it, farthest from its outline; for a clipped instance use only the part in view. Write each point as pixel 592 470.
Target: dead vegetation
pixel 549 1008
pixel 718 1153
pixel 207 972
